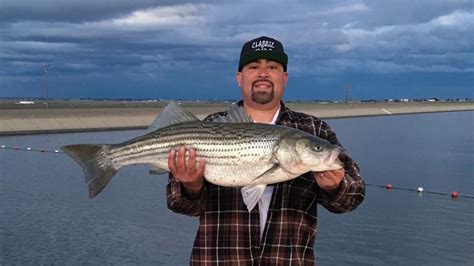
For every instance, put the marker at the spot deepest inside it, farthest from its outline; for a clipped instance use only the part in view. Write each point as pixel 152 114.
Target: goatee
pixel 262 97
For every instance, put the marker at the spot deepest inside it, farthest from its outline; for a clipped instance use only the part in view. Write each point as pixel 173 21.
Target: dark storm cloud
pixel 408 12
pixel 162 41
pixel 74 10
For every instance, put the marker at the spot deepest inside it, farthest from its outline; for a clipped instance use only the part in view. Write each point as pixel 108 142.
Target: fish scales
pixel 213 141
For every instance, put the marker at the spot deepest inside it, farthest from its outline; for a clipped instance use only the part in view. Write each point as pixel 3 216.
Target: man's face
pixel 262 82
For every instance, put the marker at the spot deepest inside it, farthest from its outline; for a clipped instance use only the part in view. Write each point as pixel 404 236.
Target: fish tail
pixel 98 168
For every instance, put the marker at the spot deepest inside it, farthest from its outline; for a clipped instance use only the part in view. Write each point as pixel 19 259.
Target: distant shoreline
pixel 83 116
pixel 6 104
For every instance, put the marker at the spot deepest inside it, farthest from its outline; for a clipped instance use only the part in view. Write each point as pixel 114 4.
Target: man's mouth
pixel 262 84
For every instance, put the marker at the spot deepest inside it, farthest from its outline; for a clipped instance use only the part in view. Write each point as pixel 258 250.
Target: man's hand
pixel 191 178
pixel 329 180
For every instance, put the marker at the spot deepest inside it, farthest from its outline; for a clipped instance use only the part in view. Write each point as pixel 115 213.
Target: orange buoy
pixel 388 186
pixel 454 194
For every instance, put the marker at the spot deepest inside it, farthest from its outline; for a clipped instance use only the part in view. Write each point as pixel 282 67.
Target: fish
pixel 237 151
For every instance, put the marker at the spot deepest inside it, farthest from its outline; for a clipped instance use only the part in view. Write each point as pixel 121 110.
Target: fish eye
pixel 318 148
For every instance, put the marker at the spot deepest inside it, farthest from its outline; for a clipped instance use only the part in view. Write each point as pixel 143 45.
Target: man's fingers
pixel 181 160
pixel 172 162
pixel 329 180
pixel 201 168
pixel 185 171
pixel 192 161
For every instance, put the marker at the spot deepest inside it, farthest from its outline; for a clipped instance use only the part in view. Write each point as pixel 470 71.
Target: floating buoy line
pixel 29 149
pixel 389 187
pixel 421 190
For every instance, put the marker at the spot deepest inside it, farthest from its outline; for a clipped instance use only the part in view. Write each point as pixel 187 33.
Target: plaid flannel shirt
pixel 229 234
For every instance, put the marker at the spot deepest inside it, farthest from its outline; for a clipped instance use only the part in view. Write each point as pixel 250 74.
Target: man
pixel 281 231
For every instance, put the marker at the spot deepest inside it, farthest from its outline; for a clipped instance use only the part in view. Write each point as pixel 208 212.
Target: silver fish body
pixel 237 154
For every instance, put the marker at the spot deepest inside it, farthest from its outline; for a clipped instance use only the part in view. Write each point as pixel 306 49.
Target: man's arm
pixel 343 189
pixel 186 191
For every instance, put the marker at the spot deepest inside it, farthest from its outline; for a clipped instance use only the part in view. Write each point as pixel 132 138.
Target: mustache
pixel 264 79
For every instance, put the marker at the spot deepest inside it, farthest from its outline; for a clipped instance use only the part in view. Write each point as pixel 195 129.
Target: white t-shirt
pixel 264 201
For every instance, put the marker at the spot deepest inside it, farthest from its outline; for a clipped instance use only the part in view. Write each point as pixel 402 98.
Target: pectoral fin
pixel 251 195
pixel 268 172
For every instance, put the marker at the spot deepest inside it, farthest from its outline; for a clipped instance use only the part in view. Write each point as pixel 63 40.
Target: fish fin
pixel 172 114
pixel 270 171
pixel 157 170
pixel 235 114
pixel 98 169
pixel 251 195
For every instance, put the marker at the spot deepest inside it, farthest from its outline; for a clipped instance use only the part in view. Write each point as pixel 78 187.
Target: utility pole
pixel 347 89
pixel 45 67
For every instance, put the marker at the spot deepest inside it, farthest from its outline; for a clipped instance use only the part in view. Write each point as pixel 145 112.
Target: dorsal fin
pixel 172 114
pixel 235 114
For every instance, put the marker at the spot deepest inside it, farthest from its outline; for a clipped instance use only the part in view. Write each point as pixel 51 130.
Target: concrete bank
pixel 39 121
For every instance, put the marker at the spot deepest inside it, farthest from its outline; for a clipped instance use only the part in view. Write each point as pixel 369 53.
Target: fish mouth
pixel 330 162
pixel 333 157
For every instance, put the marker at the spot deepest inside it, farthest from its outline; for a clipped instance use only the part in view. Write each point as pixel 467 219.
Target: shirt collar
pixel 276 116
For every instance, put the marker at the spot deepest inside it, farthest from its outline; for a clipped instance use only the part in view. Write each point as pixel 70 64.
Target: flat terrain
pixel 74 116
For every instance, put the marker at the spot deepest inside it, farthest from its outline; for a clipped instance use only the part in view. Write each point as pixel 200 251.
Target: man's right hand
pixel 191 178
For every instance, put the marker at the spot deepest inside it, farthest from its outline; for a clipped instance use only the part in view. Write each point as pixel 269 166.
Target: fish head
pixel 318 154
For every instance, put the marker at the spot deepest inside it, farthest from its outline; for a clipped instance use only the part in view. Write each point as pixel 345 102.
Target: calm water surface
pixel 46 216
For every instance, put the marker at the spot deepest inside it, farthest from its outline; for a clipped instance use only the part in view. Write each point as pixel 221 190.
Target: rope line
pixel 28 149
pixel 416 190
pixel 387 187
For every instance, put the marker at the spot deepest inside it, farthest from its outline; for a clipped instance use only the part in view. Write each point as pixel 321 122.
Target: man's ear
pixel 238 78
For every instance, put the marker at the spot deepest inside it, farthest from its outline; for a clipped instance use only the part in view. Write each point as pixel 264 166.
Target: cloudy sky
pixel 189 49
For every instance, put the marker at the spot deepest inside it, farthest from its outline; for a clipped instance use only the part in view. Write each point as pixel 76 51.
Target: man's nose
pixel 262 72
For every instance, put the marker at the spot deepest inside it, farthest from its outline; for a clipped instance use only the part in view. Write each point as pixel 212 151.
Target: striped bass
pixel 238 152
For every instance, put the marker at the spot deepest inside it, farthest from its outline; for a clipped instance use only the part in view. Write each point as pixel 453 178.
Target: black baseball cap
pixel 263 48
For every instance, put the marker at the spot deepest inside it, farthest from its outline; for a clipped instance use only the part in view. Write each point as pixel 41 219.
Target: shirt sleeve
pixel 351 191
pixel 178 201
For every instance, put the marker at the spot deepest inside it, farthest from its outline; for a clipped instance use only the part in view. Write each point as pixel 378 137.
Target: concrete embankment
pixel 56 120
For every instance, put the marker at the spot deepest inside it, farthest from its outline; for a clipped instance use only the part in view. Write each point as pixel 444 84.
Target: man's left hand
pixel 329 180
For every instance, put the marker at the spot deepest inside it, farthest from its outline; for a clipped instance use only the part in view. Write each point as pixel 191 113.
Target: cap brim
pixel 281 58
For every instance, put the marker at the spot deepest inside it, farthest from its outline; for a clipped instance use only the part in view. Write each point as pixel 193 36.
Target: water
pixel 46 217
